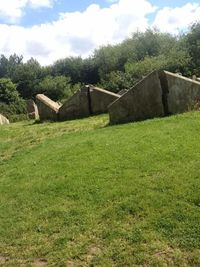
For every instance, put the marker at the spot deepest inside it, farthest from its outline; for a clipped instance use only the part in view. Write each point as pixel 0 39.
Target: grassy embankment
pixel 82 194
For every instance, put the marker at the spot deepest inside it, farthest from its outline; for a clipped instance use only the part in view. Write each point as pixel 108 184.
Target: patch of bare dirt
pixel 39 263
pixel 3 259
pixel 70 264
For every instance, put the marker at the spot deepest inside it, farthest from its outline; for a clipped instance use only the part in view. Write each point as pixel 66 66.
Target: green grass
pixel 82 193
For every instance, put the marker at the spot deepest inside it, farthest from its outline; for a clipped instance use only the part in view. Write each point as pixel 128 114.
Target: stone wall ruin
pixel 47 108
pixel 32 110
pixel 158 94
pixel 90 100
pixel 3 120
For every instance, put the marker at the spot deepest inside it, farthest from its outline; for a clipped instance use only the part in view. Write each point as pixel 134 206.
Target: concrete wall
pixel 183 94
pixel 143 101
pixel 32 110
pixel 47 108
pixel 75 107
pixel 101 99
pixel 159 94
pixel 123 91
pixel 3 120
pixel 88 101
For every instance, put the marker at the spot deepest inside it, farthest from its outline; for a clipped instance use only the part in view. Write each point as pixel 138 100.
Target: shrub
pixel 11 104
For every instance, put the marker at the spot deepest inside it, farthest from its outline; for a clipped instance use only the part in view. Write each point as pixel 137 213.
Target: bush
pixel 11 104
pixel 116 81
pixel 14 112
pixel 54 87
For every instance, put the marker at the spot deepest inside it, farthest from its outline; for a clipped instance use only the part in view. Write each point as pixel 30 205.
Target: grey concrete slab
pixel 183 94
pixel 76 106
pixel 101 99
pixel 32 110
pixel 47 108
pixel 3 120
pixel 143 101
pixel 89 100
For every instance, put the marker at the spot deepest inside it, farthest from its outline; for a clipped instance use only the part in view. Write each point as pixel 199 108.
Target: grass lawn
pixel 81 193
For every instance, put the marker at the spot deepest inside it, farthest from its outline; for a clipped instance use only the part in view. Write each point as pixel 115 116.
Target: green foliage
pixel 70 90
pixel 147 44
pixel 110 59
pixel 142 68
pixel 89 71
pixel 178 59
pixel 69 67
pixel 9 110
pixel 10 101
pixel 106 58
pixel 193 46
pixel 114 67
pixel 9 65
pixel 121 66
pixel 8 92
pixel 27 77
pixel 55 88
pixel 79 70
pixel 174 59
pixel 116 81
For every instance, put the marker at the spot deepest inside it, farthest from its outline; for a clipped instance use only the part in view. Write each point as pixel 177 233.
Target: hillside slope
pixel 81 193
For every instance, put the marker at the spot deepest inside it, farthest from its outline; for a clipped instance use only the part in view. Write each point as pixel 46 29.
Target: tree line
pixel 113 67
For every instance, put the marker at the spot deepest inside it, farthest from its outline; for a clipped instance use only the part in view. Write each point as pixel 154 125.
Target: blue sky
pixel 44 15
pixel 51 29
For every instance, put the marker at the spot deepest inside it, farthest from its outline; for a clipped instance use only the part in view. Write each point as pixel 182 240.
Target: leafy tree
pixel 178 59
pixel 3 66
pixel 69 67
pixel 89 71
pixel 116 81
pixel 193 46
pixel 141 68
pixel 9 65
pixel 113 66
pixel 107 59
pixel 10 100
pixel 54 87
pixel 146 44
pixel 8 91
pixel 27 76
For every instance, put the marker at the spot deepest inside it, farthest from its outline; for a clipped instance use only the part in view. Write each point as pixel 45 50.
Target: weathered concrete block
pixel 182 93
pixel 122 92
pixel 88 101
pixel 76 107
pixel 32 110
pixel 47 108
pixel 3 120
pixel 194 77
pixel 159 94
pixel 143 101
pixel 100 99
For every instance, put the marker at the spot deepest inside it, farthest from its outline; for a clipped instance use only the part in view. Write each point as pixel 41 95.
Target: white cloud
pixel 112 1
pixel 79 33
pixel 12 10
pixel 41 3
pixel 174 20
pixel 76 33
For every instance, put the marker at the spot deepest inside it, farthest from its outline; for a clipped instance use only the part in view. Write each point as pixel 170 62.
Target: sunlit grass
pixel 82 193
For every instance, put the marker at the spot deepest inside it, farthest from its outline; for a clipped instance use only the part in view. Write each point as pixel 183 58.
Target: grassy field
pixel 82 193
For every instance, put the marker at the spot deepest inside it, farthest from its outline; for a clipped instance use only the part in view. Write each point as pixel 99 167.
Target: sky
pixel 48 30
